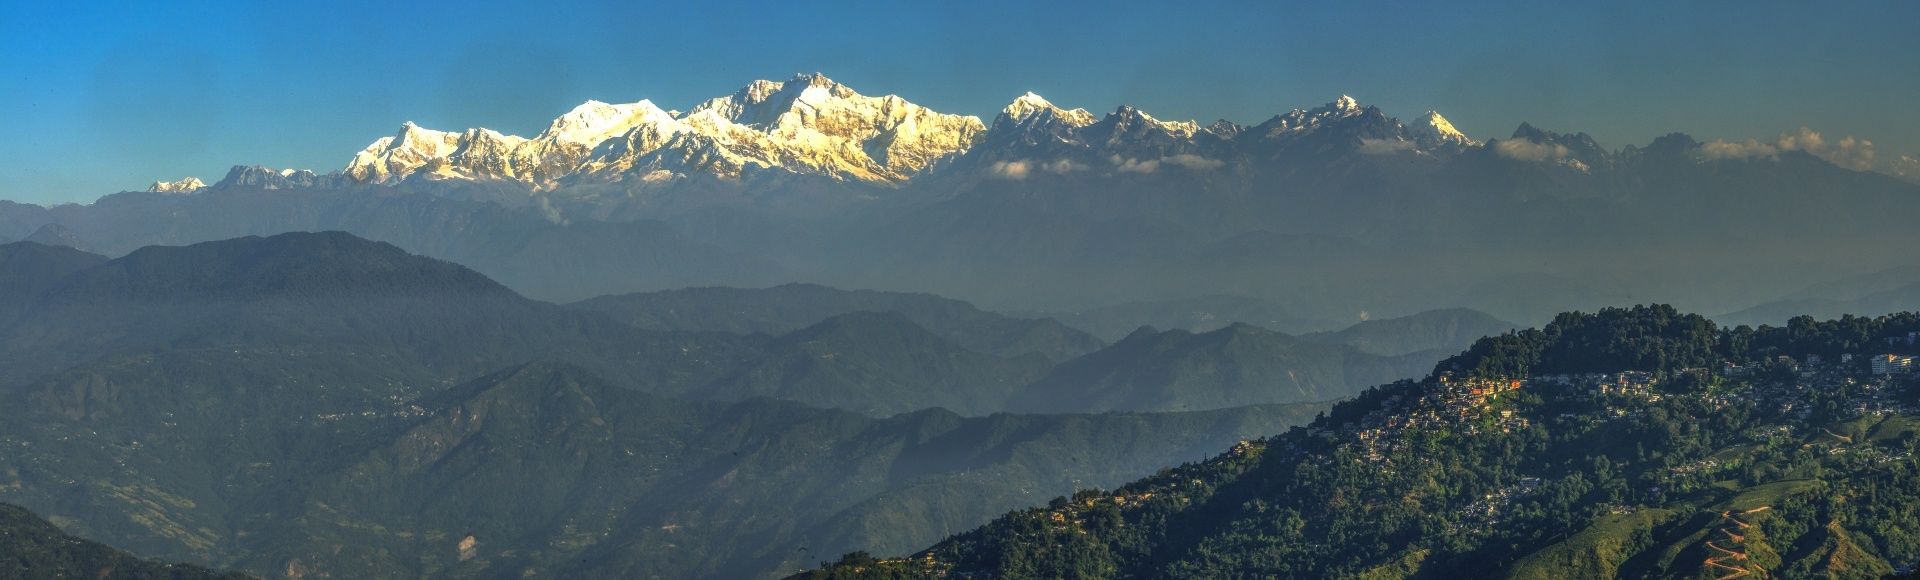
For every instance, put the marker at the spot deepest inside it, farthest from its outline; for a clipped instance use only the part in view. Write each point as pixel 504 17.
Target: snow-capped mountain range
pixel 808 125
pixel 186 185
pixel 812 125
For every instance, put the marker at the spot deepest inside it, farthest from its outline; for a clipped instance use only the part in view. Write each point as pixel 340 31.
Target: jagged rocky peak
pixel 815 125
pixel 1126 118
pixel 1432 129
pixel 1529 132
pixel 422 139
pixel 1574 140
pixel 1225 129
pixel 395 157
pixel 258 177
pixel 1345 104
pixel 1299 121
pixel 1579 145
pixel 186 185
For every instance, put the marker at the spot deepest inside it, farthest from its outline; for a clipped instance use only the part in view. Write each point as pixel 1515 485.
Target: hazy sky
pixel 98 98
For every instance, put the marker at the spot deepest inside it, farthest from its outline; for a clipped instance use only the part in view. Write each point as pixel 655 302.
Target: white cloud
pixel 1062 166
pixel 1186 161
pixel 1524 150
pixel 1849 152
pixel 1384 146
pixel 1193 162
pixel 1018 170
pixel 1905 167
pixel 1136 165
pixel 1721 149
pixel 1012 170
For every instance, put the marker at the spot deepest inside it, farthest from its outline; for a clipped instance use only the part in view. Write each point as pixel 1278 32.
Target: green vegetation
pixel 334 463
pixel 1658 338
pixel 1618 457
pixel 32 548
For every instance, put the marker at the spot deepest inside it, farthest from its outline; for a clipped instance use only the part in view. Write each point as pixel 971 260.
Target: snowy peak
pixel 426 141
pixel 187 185
pixel 813 125
pixel 1345 105
pixel 1127 119
pixel 1307 121
pixel 394 158
pixel 1433 130
pixel 762 104
pixel 1225 129
pixel 1032 106
pixel 1026 105
pixel 257 177
pixel 810 124
pixel 594 122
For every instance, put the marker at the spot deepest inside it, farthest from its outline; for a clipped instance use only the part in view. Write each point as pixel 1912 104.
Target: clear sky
pixel 101 97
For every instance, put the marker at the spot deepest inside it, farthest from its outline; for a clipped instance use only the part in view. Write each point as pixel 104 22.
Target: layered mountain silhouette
pixel 327 291
pixel 790 307
pixel 36 548
pixel 272 463
pixel 1325 212
pixel 1594 447
pixel 321 404
pixel 1236 365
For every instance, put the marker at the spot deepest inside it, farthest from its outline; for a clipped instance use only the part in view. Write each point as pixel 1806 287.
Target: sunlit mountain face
pixel 1021 291
pixel 1325 212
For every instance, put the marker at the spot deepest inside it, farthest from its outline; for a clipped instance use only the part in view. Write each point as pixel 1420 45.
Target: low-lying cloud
pixel 1384 146
pixel 1186 161
pixel 1014 170
pixel 1849 152
pixel 1524 150
pixel 1905 167
pixel 1018 170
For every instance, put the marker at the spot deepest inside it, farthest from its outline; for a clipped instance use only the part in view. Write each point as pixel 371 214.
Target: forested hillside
pixel 1635 442
pixel 34 548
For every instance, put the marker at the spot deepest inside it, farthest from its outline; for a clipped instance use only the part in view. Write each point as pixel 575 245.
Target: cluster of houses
pixel 1882 364
pixel 1892 364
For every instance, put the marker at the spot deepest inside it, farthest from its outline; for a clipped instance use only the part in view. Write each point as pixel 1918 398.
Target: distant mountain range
pixel 1326 212
pixel 1874 294
pixel 314 404
pixel 790 307
pixel 317 404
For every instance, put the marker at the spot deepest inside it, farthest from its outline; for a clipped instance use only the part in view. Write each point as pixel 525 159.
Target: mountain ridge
pixel 1596 446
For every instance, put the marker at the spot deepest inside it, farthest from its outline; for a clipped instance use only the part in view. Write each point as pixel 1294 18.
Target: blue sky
pixel 97 98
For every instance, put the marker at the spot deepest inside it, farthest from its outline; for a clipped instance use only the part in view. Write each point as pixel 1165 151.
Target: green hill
pixel 1596 447
pixel 332 291
pixel 28 270
pixel 34 548
pixel 336 464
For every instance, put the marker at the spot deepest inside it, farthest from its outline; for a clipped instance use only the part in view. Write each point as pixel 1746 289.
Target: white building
pixel 1888 364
